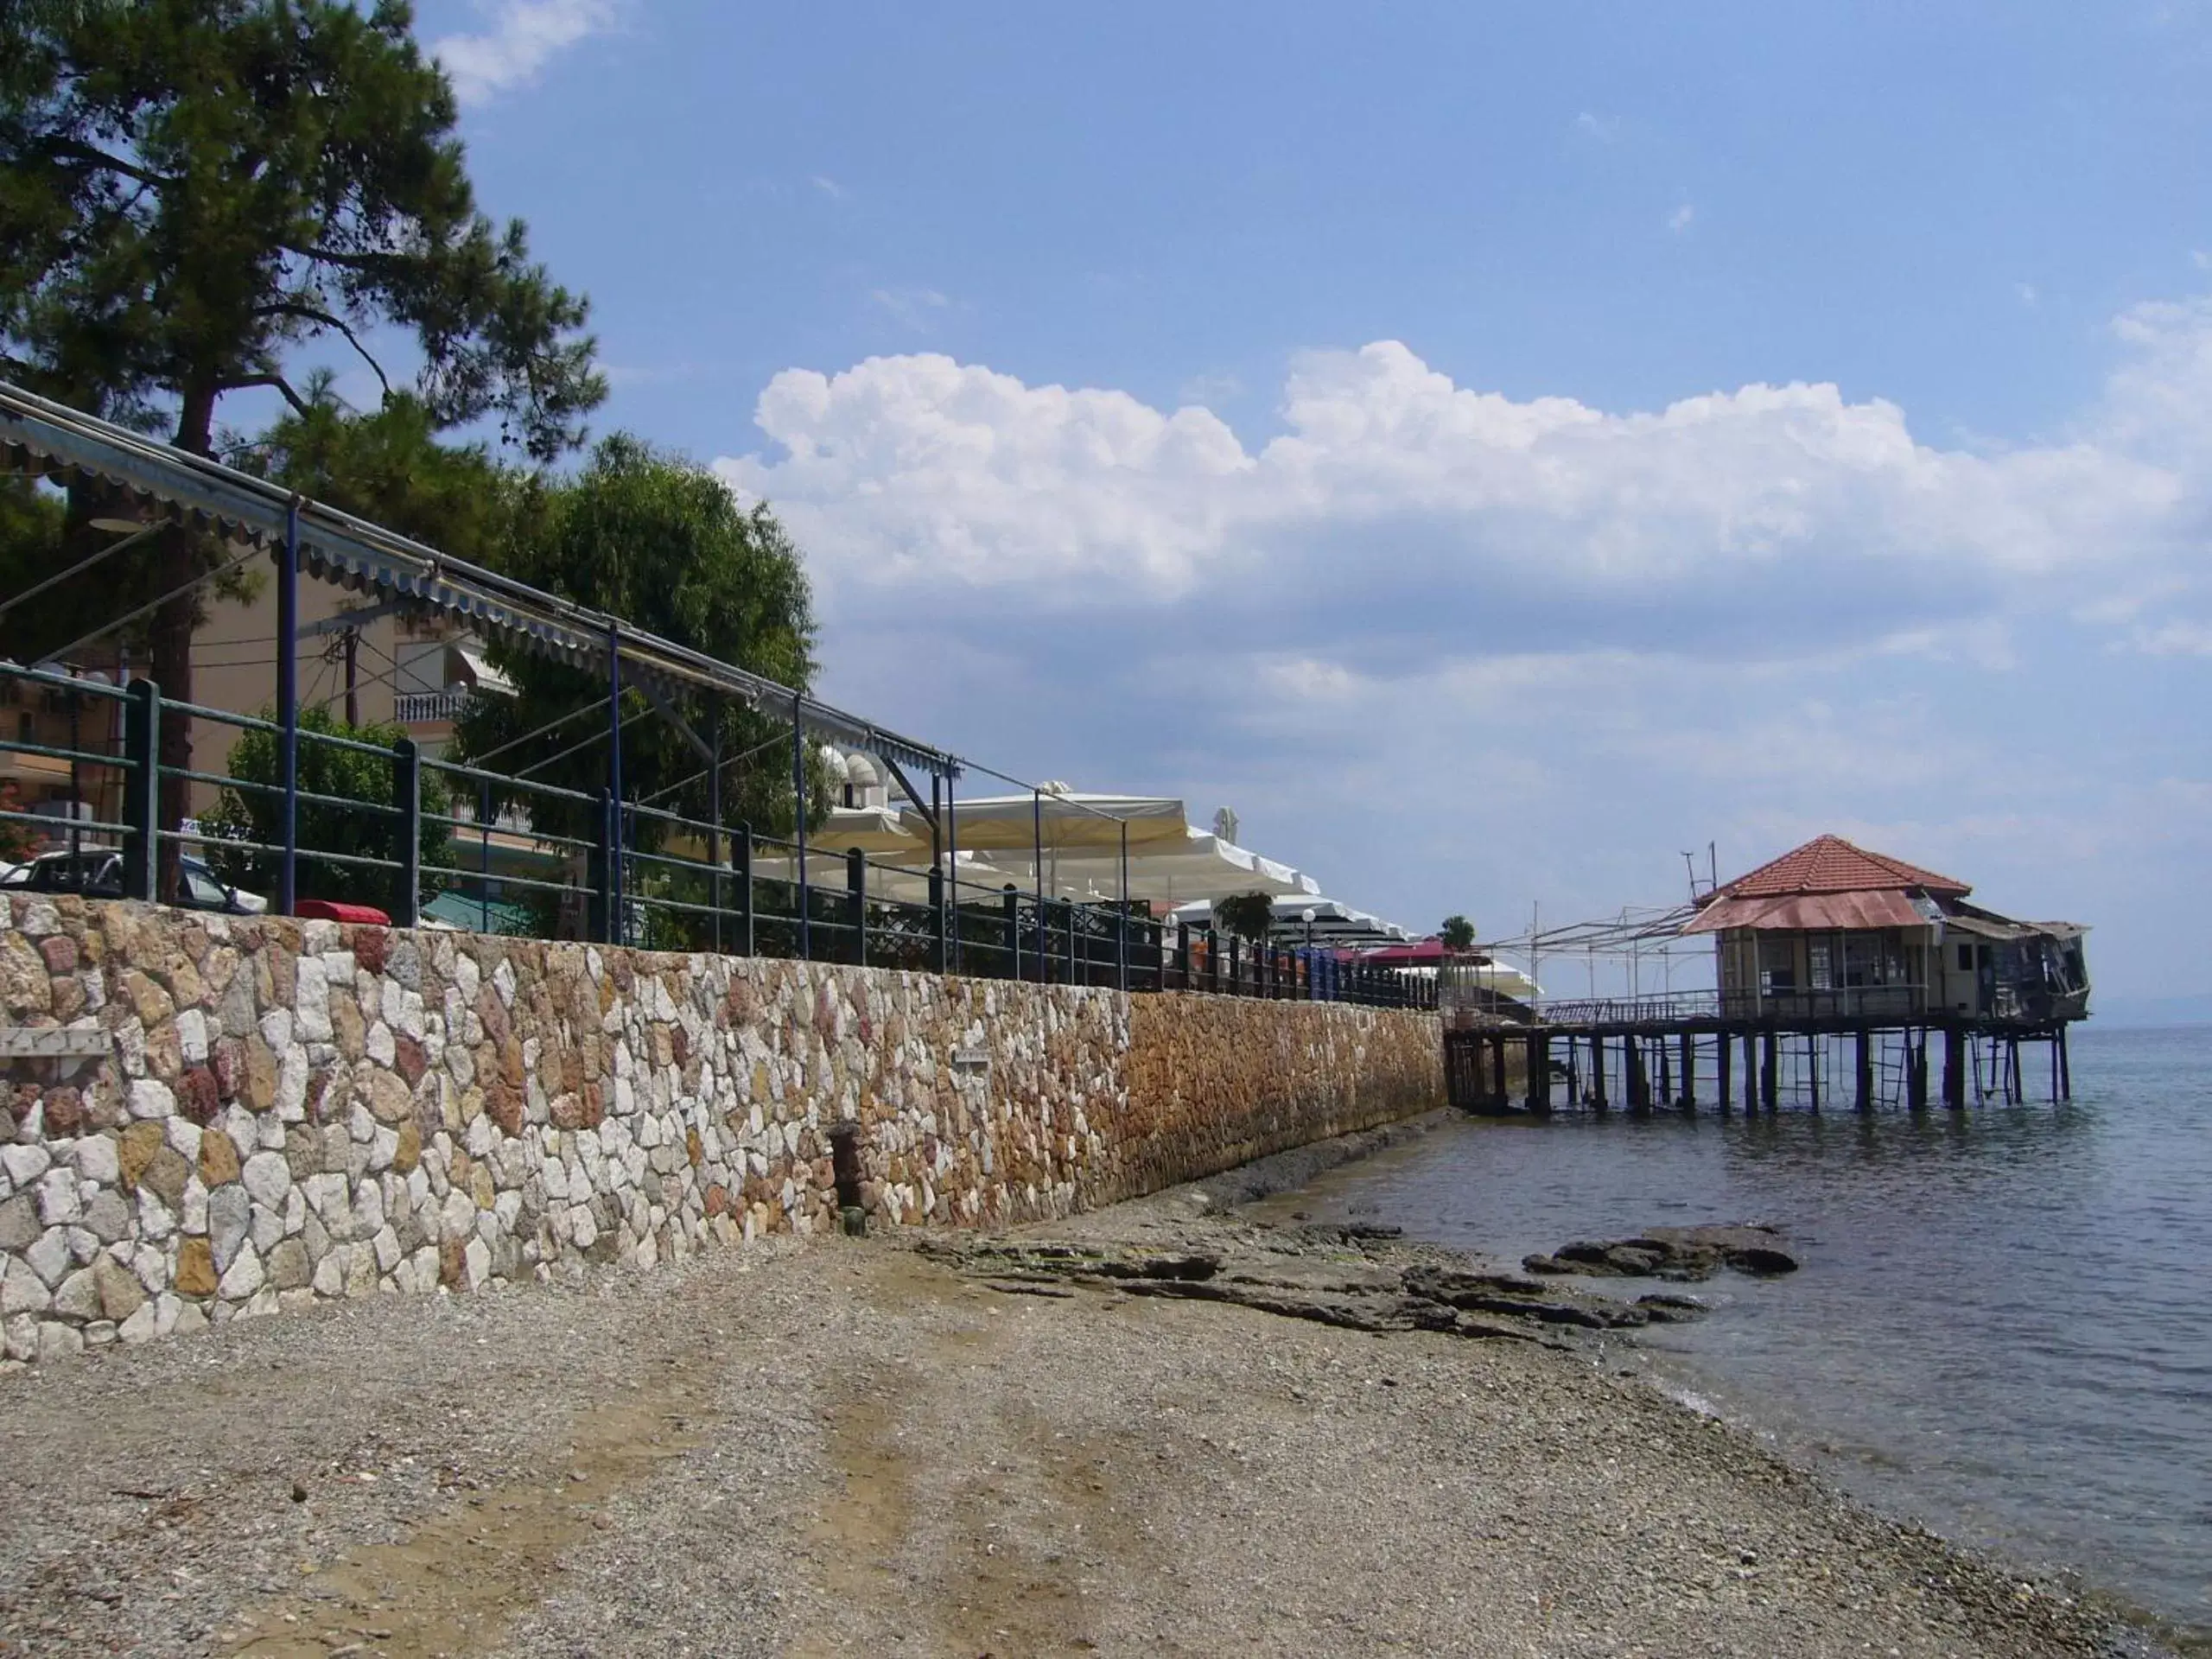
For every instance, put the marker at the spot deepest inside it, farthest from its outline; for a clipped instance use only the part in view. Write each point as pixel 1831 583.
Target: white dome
pixel 861 771
pixel 834 764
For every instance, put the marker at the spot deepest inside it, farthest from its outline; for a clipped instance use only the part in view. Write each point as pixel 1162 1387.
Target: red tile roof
pixel 1830 864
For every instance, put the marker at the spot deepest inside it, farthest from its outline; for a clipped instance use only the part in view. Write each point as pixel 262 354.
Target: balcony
pixel 421 708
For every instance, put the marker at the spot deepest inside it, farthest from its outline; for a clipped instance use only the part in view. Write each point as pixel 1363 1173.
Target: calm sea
pixel 2003 1322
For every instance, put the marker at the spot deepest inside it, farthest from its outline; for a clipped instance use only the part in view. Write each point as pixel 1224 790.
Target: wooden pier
pixel 1685 1053
pixel 1835 971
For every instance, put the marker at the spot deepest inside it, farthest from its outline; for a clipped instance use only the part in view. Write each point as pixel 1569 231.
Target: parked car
pixel 98 874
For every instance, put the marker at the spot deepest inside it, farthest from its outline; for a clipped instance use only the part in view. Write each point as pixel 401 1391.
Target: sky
pixel 1495 450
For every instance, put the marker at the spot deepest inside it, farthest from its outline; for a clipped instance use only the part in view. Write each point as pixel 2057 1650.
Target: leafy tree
pixel 249 812
pixel 195 192
pixel 1458 933
pixel 1248 916
pixel 661 543
pixel 391 464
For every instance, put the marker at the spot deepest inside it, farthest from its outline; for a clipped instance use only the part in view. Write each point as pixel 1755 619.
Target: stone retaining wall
pixel 283 1112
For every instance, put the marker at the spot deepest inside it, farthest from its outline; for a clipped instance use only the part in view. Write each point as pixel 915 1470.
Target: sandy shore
pixel 853 1445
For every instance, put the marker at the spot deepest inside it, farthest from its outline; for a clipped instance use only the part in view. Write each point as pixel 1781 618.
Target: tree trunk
pixel 183 557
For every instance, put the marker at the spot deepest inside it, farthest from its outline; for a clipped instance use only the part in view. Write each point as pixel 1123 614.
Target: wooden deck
pixel 1860 1049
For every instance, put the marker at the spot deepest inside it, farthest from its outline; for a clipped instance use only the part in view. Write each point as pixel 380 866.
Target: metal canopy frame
pixel 353 553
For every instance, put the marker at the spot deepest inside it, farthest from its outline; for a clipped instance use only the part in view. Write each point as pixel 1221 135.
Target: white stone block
pixel 192 1036
pixel 151 1099
pixel 184 1134
pixel 292 1086
pixel 379 1046
pixel 311 1000
pixel 268 1179
pixel 59 1204
pixel 24 1164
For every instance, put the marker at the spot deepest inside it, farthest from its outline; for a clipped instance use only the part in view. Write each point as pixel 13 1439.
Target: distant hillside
pixel 2152 1010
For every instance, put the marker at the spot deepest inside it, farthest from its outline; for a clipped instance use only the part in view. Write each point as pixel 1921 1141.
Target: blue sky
pixel 1494 450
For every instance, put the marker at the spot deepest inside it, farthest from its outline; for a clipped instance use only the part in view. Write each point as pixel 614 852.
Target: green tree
pixel 195 192
pixel 248 813
pixel 1248 916
pixel 392 465
pixel 660 541
pixel 1458 933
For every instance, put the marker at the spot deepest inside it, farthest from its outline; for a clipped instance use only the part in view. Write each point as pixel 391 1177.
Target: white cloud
pixel 1602 128
pixel 1395 490
pixel 918 308
pixel 2027 292
pixel 1681 218
pixel 524 37
pixel 1450 650
pixel 828 186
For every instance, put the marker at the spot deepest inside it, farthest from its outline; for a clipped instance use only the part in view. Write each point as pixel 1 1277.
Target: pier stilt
pixel 1813 1069
pixel 1916 1075
pixel 1751 1071
pixel 1771 1081
pixel 1639 1081
pixel 1864 1080
pixel 1597 1074
pixel 2065 1067
pixel 1666 1072
pixel 1724 1050
pixel 1539 1099
pixel 1954 1068
pixel 1689 1072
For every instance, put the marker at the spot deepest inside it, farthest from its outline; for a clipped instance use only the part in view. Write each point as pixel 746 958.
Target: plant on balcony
pixel 246 823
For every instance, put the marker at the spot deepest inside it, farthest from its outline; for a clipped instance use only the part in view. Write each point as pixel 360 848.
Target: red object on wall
pixel 329 910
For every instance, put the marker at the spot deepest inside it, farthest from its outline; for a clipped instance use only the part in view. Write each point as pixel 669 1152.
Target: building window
pixel 1965 958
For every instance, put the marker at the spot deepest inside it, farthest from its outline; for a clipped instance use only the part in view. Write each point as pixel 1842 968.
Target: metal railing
pixel 641 875
pixel 419 708
pixel 1846 1003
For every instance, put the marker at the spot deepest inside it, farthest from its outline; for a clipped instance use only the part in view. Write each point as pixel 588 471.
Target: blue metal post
pixel 715 825
pixel 952 869
pixel 741 853
pixel 856 901
pixel 407 833
pixel 799 797
pixel 142 790
pixel 617 920
pixel 1037 827
pixel 288 710
pixel 1122 919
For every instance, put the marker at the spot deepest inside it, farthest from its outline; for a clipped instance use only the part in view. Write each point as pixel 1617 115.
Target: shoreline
pixel 817 1447
pixel 1683 1377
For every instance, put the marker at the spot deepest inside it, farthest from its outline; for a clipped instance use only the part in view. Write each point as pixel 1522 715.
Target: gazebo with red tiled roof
pixel 1837 927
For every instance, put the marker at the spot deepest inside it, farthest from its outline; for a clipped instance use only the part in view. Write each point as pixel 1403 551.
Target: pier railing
pixel 1678 1007
pixel 455 845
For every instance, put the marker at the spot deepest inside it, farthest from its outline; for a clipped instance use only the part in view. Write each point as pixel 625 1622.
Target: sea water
pixel 2003 1325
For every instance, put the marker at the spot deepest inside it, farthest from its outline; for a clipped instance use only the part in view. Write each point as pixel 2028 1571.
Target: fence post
pixel 1236 966
pixel 407 832
pixel 740 858
pixel 1182 956
pixel 1072 970
pixel 856 901
pixel 938 915
pixel 141 789
pixel 599 872
pixel 1013 905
